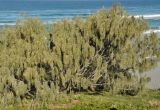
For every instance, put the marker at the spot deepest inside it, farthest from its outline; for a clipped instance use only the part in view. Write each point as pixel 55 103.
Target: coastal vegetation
pixel 100 57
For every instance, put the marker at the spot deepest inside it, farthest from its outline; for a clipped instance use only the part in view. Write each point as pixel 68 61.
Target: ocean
pixel 53 10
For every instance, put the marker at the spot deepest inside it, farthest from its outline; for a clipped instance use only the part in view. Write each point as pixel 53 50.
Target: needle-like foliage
pixel 106 51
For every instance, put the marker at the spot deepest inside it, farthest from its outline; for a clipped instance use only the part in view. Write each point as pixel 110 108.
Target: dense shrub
pixel 98 53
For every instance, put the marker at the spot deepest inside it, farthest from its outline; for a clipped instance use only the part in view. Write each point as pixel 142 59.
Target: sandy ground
pixel 155 78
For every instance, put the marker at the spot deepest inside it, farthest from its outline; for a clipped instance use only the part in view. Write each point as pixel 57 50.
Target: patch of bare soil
pixel 154 102
pixel 64 106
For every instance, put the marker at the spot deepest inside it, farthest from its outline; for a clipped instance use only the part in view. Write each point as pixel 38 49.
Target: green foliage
pixel 107 51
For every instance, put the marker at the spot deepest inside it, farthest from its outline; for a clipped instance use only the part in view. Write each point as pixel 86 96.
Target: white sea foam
pixel 151 16
pixel 7 24
pixel 152 30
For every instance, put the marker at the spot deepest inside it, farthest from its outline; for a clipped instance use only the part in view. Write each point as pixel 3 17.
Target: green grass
pixel 108 102
pixel 147 100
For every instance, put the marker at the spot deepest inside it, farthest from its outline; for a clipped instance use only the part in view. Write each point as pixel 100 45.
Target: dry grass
pixel 64 106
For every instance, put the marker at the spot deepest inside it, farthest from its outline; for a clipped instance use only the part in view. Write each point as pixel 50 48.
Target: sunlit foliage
pixel 106 51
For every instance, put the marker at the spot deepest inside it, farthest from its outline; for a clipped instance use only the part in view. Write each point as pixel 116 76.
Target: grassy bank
pixel 147 100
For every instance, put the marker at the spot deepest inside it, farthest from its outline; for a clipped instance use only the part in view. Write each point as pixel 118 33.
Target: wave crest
pixel 152 16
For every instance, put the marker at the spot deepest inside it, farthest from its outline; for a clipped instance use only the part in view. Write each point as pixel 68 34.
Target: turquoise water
pixel 52 10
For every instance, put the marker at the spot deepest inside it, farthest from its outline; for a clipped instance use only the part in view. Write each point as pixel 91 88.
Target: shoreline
pixel 154 74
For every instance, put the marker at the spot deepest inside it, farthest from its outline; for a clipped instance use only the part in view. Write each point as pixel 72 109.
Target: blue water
pixel 52 10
